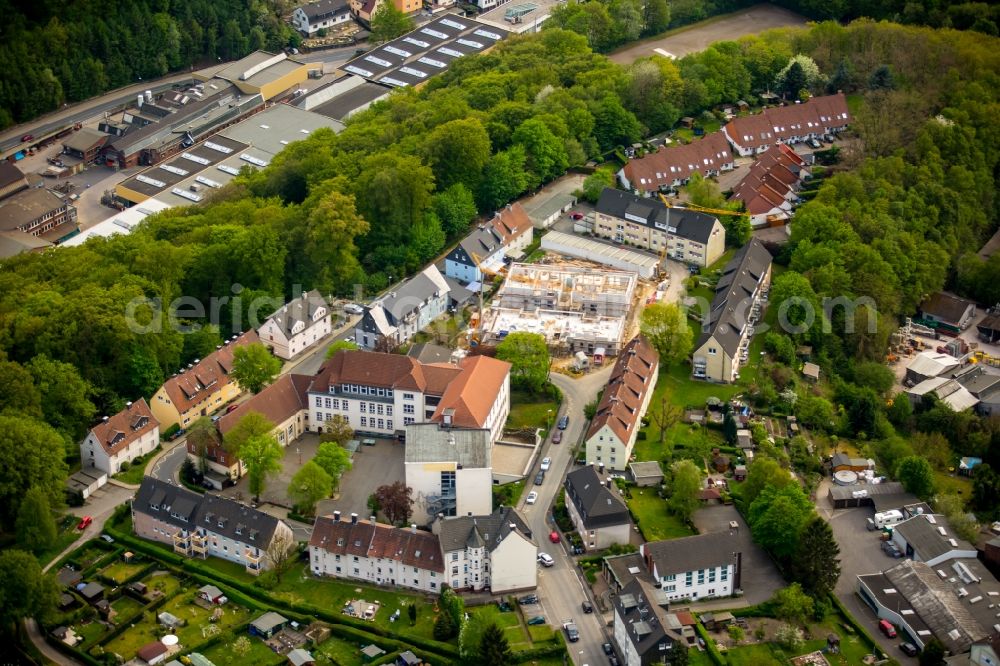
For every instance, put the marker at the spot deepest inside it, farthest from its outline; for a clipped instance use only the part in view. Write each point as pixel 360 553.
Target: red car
pixel 554 537
pixel 886 628
pixel 27 137
pixel 232 408
pixel 576 216
pixel 87 520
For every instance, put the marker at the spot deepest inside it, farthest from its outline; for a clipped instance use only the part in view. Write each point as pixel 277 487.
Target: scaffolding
pixel 572 290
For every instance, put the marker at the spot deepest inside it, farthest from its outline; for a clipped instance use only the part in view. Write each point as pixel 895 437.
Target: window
pixel 371 407
pixel 388 424
pixel 328 403
pixel 407 409
pixel 381 408
pixel 364 407
pixel 335 404
pixel 381 424
pixel 670 577
pixel 388 410
pixel 711 575
pixel 364 421
pixel 319 416
pixel 454 557
pixel 671 588
pixel 724 573
pixel 712 351
pixel 344 404
pixel 407 396
pixel 407 420
pixel 688 578
pixel 319 401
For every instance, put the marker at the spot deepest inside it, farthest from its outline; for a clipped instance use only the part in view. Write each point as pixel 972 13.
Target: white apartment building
pixel 297 325
pixel 449 469
pixel 121 438
pixel 698 567
pixel 320 15
pixel 492 552
pixel 394 318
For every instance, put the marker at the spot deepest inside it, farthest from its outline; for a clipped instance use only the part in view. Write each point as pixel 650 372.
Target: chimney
pixel 608 483
pixel 372 519
pixel 448 414
pixel 104 419
pixel 354 519
pixel 336 516
pixel 413 527
pixel 149 96
pixel 128 404
pixel 139 100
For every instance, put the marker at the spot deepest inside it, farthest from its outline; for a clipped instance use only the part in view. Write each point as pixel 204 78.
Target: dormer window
pixel 340 542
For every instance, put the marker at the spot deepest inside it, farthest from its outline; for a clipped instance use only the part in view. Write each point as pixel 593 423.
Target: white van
pixel 885 519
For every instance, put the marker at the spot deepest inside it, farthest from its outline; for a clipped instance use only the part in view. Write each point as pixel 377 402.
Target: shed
pixel 740 473
pixel 842 461
pixel 967 464
pixel 300 657
pixel 138 587
pixel 408 659
pixel 951 311
pixel 543 213
pixel 720 462
pixel 152 653
pixel 645 473
pixel 833 643
pixel 68 577
pixel 989 328
pixel 811 372
pixel 212 594
pixel 744 438
pixel 169 620
pixel 371 652
pixel 198 659
pixel 87 481
pixel 929 364
pixel 709 494
pixel 842 497
pixel 66 601
pixel 268 624
pixel 92 592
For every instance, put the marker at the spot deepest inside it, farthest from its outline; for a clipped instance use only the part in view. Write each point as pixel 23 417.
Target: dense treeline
pixel 979 16
pixel 56 52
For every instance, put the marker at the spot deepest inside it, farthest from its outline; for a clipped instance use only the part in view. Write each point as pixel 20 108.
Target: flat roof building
pixel 39 212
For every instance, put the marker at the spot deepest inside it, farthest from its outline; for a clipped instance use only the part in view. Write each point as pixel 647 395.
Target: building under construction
pixel 575 308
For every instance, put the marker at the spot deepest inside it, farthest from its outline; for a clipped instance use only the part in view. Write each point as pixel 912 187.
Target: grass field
pixel 258 655
pixel 946 483
pixel 528 411
pixel 655 522
pixel 125 607
pixel 167 584
pixel 341 652
pixel 135 473
pixel 752 655
pixel 122 571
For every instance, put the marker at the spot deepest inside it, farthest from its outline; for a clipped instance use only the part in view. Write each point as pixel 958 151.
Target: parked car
pixel 537 619
pixel 503 606
pixel 557 437
pixel 85 523
pixel 108 538
pixel 540 478
pixel 353 308
pixel 545 559
pixel 563 422
pixel 572 634
pixel 528 599
pixel 814 144
pixel 909 649
pixel 576 216
pixel 232 408
pixel 532 497
pixel 546 464
pixel 607 648
pixel 27 137
pixel 886 628
pixel 587 606
pixel 554 537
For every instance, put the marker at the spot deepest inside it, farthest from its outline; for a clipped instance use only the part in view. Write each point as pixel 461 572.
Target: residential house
pixel 450 470
pixel 685 235
pixel 395 317
pixel 120 439
pixel 740 297
pixel 39 212
pixel 927 538
pixel 948 311
pixel 486 247
pixel 201 388
pixel 381 393
pixel 364 10
pixel 268 625
pixel 597 513
pixel 312 17
pixel 793 123
pixel 381 554
pixel 696 567
pixel 770 188
pixel 671 166
pixel 618 419
pixel 494 552
pixel 207 525
pixel 951 602
pixel 641 631
pixel 645 473
pixel 284 403
pixel 297 325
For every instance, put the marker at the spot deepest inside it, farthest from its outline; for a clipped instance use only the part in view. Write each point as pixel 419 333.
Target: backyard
pixel 341 652
pixel 121 571
pixel 258 654
pixel 655 522
pixel 531 411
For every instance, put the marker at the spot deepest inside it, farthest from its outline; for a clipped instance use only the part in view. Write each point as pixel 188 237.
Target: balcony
pixel 199 545
pixel 253 560
pixel 182 544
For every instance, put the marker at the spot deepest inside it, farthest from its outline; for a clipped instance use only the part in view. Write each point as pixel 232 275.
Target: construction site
pixel 577 308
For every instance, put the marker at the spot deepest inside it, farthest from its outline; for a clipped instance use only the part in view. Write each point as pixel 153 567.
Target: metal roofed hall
pixel 602 253
pixel 352 101
pixel 273 129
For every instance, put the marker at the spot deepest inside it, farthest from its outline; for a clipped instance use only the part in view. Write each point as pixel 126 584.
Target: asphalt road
pixel 561 587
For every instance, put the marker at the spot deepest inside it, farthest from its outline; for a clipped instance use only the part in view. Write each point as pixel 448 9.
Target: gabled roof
pixel 680 222
pixel 481 244
pixel 511 222
pixel 365 368
pixel 10 174
pixel 212 513
pixel 411 547
pixel 621 404
pixel 390 309
pixel 740 279
pixel 268 621
pixel 949 309
pixel 930 536
pixel 931 363
pixel 151 651
pixel 702 551
pixel 304 309
pixel 781 123
pixel 475 531
pixel 26 206
pixel 278 402
pixel 321 9
pixel 207 377
pixel 596 504
pixel 125 427
pixel 471 394
pixel 644 624
pixel 678 162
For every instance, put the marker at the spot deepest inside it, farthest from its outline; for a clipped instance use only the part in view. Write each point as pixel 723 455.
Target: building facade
pixel 297 325
pixel 380 554
pixel 640 629
pixel 598 514
pixel 208 525
pixel 792 123
pixel 394 318
pixel 699 567
pixel 130 433
pixel 493 551
pixel 740 297
pixel 312 17
pixel 618 419
pixel 449 470
pixel 38 212
pixel 685 235
pixel 484 249
pixel 201 388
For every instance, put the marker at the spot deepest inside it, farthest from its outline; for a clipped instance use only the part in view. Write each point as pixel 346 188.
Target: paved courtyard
pixel 373 466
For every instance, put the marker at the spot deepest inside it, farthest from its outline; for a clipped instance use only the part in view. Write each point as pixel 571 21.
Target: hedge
pixel 123 625
pixel 710 647
pixel 388 644
pixel 71 652
pixel 861 631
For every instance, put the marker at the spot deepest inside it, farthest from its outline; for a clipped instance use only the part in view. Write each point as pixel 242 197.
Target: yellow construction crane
pixel 698 209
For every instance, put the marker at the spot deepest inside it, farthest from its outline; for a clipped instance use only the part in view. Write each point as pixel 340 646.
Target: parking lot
pixel 374 466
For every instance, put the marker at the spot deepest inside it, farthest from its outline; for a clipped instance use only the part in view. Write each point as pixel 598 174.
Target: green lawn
pixel 509 494
pixel 753 655
pixel 259 654
pixel 135 473
pixel 86 555
pixel 90 632
pixel 341 652
pixel 945 483
pixel 125 607
pixel 528 411
pixel 655 522
pixel 122 571
pixel 298 585
pixel 167 584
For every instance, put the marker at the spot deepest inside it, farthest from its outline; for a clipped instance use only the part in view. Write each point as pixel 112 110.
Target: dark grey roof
pixel 483 242
pixel 871 489
pixel 638 613
pixel 686 224
pixel 740 279
pixel 702 551
pixel 628 567
pixel 923 534
pixel 405 301
pixel 427 352
pixel 212 513
pixel 301 309
pixel 91 590
pixel 349 102
pixel 269 621
pixel 475 531
pixel 893 501
pixel 323 8
pixel 646 469
pixel 978 380
pixel 597 505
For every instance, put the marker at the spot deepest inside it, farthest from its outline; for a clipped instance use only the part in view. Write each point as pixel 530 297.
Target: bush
pixel 170 432
pixel 124 467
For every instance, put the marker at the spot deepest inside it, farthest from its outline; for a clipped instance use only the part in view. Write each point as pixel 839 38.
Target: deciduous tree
pixel 35 525
pixel 335 460
pixel 666 328
pixel 33 458
pixel 685 484
pixel 341 345
pixel 24 590
pixel 261 454
pixel 254 367
pixel 529 358
pixel 337 429
pixel 309 485
pixel 395 501
pixel 203 436
pixel 595 183
pixel 792 604
pixel 388 23
pixel 252 424
pixel 916 475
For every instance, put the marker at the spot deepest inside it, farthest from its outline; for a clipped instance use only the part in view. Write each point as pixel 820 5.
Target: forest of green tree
pixel 52 53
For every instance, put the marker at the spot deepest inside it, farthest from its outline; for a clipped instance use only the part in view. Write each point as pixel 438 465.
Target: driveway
pixel 374 466
pixel 860 553
pixel 760 578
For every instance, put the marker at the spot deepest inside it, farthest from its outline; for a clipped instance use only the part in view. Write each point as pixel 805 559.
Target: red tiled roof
pixel 370 369
pixel 781 123
pixel 679 162
pixel 771 178
pixel 278 402
pixel 410 547
pixel 125 427
pixel 472 393
pixel 630 379
pixel 511 223
pixel 207 377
